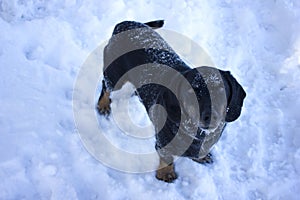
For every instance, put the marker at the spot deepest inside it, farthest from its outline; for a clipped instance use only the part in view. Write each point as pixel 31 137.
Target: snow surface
pixel 44 44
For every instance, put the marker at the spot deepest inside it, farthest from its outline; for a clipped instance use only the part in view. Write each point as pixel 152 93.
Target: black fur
pixel 235 96
pixel 155 24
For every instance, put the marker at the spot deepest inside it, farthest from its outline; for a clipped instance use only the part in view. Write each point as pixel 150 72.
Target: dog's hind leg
pixel 208 159
pixel 103 105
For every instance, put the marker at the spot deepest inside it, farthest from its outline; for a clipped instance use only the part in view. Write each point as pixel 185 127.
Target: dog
pixel 197 102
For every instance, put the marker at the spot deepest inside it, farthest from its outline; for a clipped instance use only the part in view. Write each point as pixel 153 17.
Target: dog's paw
pixel 206 160
pixel 166 174
pixel 103 105
pixel 104 110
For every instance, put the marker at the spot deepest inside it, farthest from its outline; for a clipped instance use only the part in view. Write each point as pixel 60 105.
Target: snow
pixel 43 47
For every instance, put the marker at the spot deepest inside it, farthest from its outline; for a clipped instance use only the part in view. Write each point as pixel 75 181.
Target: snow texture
pixel 43 45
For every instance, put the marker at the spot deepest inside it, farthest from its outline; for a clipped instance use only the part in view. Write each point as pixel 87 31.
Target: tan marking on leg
pixel 166 172
pixel 104 104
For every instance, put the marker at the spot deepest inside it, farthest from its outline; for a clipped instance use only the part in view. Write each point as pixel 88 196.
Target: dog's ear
pixel 235 96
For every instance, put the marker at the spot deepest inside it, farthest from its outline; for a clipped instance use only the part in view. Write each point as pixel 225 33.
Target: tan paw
pixel 166 174
pixel 103 105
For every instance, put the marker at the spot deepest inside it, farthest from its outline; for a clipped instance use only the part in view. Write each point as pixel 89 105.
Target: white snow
pixel 43 46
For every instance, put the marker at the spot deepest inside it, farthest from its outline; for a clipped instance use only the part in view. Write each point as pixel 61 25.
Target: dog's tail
pixel 155 24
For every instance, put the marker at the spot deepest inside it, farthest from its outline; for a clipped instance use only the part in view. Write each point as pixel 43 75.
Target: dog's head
pixel 219 97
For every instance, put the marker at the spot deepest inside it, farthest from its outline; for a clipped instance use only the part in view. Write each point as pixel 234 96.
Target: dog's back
pixel 134 44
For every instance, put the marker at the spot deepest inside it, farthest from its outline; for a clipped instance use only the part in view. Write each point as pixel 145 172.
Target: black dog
pixel 197 102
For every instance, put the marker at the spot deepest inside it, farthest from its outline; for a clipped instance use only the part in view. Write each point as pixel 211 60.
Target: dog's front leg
pixel 166 172
pixel 104 101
